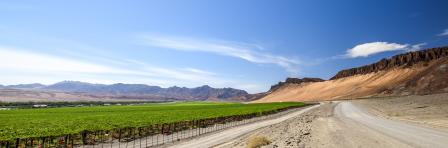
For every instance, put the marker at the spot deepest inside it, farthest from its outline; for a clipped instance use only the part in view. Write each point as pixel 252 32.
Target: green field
pixel 25 123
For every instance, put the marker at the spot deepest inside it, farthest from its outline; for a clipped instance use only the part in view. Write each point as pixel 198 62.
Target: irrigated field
pixel 25 123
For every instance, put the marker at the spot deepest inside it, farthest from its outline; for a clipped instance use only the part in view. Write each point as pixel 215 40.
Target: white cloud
pixel 243 51
pixel 24 66
pixel 444 33
pixel 366 49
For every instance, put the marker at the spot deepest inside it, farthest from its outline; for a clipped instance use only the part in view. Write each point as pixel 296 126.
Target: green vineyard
pixel 79 121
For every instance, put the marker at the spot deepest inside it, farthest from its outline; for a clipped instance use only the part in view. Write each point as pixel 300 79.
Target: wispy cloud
pixel 416 47
pixel 444 33
pixel 25 66
pixel 243 51
pixel 22 60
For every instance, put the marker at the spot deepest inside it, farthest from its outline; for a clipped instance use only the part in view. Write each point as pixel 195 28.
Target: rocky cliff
pixel 294 81
pixel 413 73
pixel 407 59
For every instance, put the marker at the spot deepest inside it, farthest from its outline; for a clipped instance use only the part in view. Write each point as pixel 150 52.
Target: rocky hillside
pixel 294 81
pixel 420 72
pixel 407 59
pixel 132 92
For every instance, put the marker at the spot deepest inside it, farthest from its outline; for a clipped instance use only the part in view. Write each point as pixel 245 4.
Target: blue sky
pixel 248 44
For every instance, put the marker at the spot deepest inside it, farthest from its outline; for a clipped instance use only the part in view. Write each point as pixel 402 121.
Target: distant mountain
pixel 26 86
pixel 142 91
pixel 199 93
pixel 119 88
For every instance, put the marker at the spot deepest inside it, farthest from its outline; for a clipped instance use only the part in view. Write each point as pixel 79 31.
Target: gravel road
pixel 232 133
pixel 412 134
pixel 344 124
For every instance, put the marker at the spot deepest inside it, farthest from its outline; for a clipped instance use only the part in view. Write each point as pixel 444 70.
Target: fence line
pixel 150 136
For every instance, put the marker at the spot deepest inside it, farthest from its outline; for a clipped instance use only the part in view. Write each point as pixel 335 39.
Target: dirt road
pixel 345 125
pixel 230 134
pixel 407 133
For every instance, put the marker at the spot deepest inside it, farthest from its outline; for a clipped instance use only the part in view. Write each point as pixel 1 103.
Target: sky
pixel 249 44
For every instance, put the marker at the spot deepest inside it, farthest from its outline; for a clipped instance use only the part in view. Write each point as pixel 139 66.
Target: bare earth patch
pixel 428 110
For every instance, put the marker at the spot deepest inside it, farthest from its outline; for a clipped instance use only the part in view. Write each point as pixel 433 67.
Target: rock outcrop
pixel 413 73
pixel 407 59
pixel 294 81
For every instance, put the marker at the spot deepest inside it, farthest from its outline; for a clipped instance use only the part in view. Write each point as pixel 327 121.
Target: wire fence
pixel 143 137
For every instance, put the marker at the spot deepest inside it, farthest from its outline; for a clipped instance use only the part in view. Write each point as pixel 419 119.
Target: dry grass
pixel 257 142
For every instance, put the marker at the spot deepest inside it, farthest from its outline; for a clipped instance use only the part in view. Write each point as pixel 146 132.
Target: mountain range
pixel 70 90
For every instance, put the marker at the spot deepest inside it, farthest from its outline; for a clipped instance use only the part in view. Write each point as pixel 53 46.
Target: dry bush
pixel 257 142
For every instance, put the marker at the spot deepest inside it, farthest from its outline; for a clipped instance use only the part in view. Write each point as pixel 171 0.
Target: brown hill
pixel 420 72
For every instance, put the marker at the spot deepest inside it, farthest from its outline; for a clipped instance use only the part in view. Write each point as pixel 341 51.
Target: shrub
pixel 257 142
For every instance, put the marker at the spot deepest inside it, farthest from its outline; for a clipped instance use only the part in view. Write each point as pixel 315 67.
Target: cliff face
pixel 414 73
pixel 294 81
pixel 407 59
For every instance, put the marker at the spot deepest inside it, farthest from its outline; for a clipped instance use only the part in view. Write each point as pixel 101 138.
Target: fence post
pixel 158 133
pixel 102 138
pixel 119 138
pixel 176 126
pixel 171 131
pixel 17 142
pixel 43 142
pixel 147 134
pixel 140 136
pixel 133 134
pixel 200 126
pixel 163 133
pixel 153 134
pixel 83 137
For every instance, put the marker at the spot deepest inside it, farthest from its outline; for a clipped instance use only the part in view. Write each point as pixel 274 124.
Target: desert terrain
pixel 427 110
pixel 413 73
pixel 387 122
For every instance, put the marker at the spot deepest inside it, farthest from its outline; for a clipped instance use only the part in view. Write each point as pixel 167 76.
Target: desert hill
pixel 418 72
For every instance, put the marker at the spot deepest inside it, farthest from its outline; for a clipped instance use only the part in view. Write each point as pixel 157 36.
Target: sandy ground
pixel 351 124
pixel 428 110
